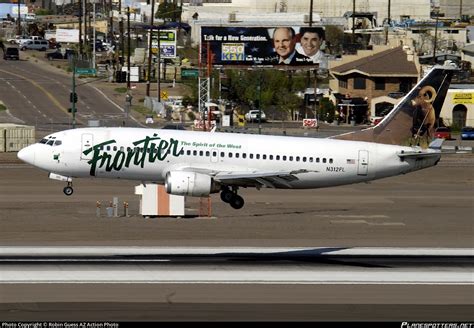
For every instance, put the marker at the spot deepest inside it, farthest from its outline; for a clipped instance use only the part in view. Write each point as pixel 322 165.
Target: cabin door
pixel 87 141
pixel 363 165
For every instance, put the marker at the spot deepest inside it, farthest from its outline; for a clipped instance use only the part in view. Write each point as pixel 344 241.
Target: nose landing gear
pixel 231 197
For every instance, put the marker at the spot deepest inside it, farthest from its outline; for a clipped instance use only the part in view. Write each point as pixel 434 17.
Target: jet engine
pixel 194 184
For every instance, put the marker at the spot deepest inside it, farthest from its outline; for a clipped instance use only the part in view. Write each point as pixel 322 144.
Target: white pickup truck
pixel 23 41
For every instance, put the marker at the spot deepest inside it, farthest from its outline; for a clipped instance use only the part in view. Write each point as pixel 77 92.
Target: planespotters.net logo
pixel 437 325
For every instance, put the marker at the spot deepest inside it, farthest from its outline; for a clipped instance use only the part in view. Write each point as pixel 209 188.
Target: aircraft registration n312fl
pixel 197 164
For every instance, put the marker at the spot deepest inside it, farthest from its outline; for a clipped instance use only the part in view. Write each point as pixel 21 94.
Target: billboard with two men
pixel 267 46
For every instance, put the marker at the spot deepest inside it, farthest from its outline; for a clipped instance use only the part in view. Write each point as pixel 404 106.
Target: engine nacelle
pixel 194 184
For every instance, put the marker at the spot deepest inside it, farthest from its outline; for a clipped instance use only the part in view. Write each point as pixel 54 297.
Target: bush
pixel 326 110
pixel 2 107
pixel 120 90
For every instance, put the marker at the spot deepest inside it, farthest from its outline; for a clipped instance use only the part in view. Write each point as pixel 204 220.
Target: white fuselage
pixel 128 154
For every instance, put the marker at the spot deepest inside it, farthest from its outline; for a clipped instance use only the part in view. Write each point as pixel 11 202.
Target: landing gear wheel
pixel 68 190
pixel 226 195
pixel 237 202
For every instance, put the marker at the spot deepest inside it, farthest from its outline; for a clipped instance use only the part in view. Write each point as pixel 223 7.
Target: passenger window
pixel 129 149
pixel 284 157
pixel 208 153
pixel 108 147
pixel 277 157
pixel 222 154
pixel 195 152
pixel 201 153
pixel 181 152
pixel 311 160
pixel 237 155
pixel 264 156
pixel 115 148
pixel 297 158
pixel 230 155
pixel 330 161
pixel 324 160
pixel 291 158
pixel 257 156
pixel 244 155
pixel 317 159
pixel 251 156
pixel 304 159
pixel 271 157
pixel 214 153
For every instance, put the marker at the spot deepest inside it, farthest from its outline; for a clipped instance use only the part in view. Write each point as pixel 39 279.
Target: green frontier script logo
pixel 119 159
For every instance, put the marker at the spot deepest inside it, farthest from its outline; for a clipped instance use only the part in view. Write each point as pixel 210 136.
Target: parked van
pixel 11 53
pixel 41 45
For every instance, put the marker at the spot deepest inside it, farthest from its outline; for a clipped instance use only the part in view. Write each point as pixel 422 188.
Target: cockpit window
pixel 43 141
pixel 50 142
pixel 57 142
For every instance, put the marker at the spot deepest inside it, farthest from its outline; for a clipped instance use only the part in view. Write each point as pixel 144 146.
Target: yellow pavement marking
pixel 48 94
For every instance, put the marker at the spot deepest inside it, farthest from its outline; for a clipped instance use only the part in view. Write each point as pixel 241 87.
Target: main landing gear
pixel 68 189
pixel 231 197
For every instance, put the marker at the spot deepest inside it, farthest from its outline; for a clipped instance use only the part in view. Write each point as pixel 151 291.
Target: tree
pixel 169 12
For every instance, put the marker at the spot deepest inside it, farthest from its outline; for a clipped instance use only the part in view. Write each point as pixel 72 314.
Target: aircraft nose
pixel 27 155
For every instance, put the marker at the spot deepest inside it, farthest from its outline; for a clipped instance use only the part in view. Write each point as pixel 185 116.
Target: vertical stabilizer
pixel 413 120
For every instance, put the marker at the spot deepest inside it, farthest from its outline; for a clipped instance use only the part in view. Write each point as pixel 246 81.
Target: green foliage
pixel 2 107
pixel 142 109
pixel 120 90
pixel 326 110
pixel 169 12
pixel 191 115
pixel 42 11
pixel 277 97
pixel 334 39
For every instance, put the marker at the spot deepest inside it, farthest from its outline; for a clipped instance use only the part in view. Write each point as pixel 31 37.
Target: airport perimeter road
pixel 37 93
pixel 428 208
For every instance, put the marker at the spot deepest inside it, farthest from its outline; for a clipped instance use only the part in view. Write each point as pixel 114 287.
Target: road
pixel 36 93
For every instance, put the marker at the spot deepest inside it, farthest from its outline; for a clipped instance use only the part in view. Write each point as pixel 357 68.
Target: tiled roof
pixel 392 62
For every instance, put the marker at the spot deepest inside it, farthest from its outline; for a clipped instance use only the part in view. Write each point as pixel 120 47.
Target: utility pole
pixel 436 12
pixel 149 48
pixel 460 10
pixel 388 24
pixel 80 28
pixel 159 65
pixel 93 37
pixel 353 21
pixel 73 94
pixel 128 49
pixel 111 23
pixel 122 38
pixel 19 19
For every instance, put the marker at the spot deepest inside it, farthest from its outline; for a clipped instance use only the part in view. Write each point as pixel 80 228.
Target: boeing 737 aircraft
pixel 200 163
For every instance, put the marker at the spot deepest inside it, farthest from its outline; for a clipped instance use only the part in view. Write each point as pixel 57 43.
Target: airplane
pixel 191 163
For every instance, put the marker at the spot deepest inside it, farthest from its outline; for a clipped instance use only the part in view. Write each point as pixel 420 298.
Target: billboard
pixel 292 46
pixel 167 43
pixel 65 35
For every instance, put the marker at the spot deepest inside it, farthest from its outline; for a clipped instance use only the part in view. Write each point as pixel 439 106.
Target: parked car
pixel 443 133
pixel 11 53
pixel 467 133
pixel 253 115
pixel 54 55
pixel 40 45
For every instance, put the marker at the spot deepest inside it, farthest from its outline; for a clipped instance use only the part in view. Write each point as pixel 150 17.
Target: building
pixel 380 78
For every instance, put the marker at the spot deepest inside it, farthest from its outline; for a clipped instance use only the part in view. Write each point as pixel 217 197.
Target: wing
pixel 255 178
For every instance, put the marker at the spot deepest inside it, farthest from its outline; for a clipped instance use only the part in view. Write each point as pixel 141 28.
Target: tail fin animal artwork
pixel 413 121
